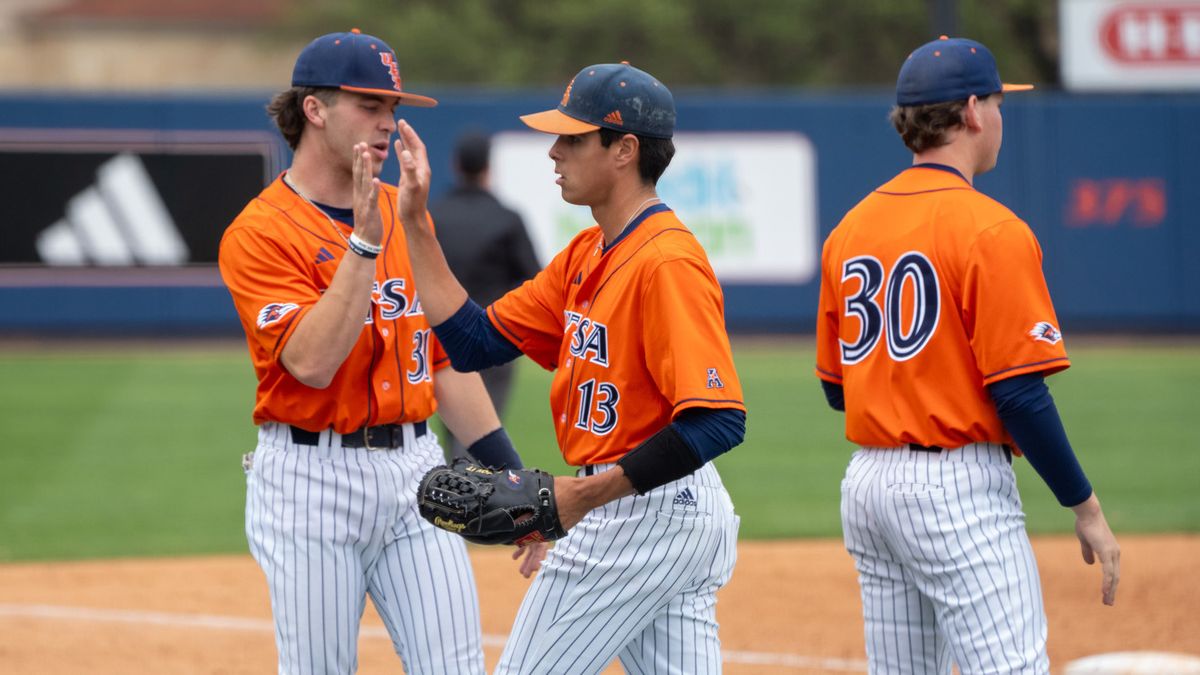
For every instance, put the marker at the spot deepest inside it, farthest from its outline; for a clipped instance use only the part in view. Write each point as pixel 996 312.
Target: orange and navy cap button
pixel 354 61
pixel 614 96
pixel 949 69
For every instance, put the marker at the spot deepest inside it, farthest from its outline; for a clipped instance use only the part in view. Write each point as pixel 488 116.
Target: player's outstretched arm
pixel 441 293
pixel 1031 418
pixel 464 405
pixel 327 333
pixel 468 412
pixel 1096 540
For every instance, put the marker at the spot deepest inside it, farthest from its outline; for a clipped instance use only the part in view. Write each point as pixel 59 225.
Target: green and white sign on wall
pixel 749 197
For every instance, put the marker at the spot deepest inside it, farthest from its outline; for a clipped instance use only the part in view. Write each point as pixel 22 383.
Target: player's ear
pixel 628 149
pixel 970 114
pixel 314 111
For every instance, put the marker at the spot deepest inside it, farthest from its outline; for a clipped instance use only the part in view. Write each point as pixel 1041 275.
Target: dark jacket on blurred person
pixel 485 242
pixel 486 246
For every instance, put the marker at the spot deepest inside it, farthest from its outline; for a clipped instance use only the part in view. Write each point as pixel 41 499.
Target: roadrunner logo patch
pixel 275 311
pixel 1046 332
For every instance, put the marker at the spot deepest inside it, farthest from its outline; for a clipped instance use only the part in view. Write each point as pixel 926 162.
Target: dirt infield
pixel 791 608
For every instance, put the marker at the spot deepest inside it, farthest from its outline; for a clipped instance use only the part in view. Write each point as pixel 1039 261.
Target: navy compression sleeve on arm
pixel 668 455
pixel 472 342
pixel 711 432
pixel 1031 418
pixel 835 395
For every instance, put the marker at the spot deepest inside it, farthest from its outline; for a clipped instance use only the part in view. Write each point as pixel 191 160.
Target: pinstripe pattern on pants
pixel 945 566
pixel 636 578
pixel 331 525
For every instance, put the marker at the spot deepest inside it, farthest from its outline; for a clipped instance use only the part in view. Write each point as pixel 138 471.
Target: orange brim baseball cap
pixel 557 122
pixel 613 96
pixel 354 62
pixel 949 69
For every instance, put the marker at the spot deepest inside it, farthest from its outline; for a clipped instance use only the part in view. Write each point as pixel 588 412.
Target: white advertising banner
pixel 749 197
pixel 1130 44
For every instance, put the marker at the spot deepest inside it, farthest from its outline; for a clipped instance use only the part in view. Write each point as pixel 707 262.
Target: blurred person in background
pixel 348 375
pixel 486 245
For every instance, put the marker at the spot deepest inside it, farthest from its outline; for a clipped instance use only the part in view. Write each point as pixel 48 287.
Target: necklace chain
pixel 638 211
pixel 633 216
pixel 290 183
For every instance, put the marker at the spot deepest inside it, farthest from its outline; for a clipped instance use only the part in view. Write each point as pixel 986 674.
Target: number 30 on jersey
pixel 913 285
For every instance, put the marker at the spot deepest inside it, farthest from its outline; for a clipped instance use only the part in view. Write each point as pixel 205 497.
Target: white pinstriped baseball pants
pixel 944 564
pixel 636 578
pixel 331 525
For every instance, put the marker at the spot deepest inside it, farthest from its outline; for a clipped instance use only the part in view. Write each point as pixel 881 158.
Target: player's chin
pixel 570 196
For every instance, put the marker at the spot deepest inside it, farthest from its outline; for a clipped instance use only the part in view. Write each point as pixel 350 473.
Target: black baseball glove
pixel 485 506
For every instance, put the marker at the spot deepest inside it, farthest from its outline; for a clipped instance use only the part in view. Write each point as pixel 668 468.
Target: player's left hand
pixel 531 557
pixel 413 194
pixel 1096 540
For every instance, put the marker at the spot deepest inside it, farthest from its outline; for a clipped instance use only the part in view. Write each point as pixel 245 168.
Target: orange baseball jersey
pixel 277 258
pixel 635 333
pixel 929 292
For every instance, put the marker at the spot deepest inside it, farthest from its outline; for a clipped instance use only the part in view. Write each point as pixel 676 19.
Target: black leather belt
pixel 590 469
pixel 938 448
pixel 382 436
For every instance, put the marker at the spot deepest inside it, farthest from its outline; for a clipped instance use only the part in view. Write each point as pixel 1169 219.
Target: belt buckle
pixel 366 432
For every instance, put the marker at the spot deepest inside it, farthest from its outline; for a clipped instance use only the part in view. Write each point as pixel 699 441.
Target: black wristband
pixel 495 450
pixel 662 458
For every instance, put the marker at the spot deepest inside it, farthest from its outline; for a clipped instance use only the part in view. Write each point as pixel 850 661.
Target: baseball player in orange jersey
pixel 629 316
pixel 934 333
pixel 348 374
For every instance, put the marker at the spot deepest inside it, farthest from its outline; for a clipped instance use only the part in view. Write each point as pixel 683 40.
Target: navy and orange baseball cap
pixel 355 62
pixel 949 69
pixel 614 96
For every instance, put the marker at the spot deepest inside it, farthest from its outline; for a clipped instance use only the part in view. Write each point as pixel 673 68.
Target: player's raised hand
pixel 414 175
pixel 1096 540
pixel 367 224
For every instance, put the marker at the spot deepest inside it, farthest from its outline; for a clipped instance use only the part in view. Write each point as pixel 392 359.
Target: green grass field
pixel 134 451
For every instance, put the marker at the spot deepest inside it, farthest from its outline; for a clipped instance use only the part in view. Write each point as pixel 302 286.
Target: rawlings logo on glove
pixel 490 507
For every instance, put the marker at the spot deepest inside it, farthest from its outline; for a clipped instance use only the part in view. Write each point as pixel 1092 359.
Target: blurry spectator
pixel 485 244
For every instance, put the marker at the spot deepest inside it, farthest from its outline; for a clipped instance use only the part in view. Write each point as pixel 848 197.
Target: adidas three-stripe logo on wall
pixel 685 498
pixel 120 220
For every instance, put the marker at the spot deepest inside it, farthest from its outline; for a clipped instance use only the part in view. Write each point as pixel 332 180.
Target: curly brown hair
pixel 287 110
pixel 924 127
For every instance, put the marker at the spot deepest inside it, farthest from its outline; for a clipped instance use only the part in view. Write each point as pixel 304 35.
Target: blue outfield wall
pixel 1110 185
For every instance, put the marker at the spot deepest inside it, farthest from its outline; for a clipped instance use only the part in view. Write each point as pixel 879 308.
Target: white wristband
pixel 363 248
